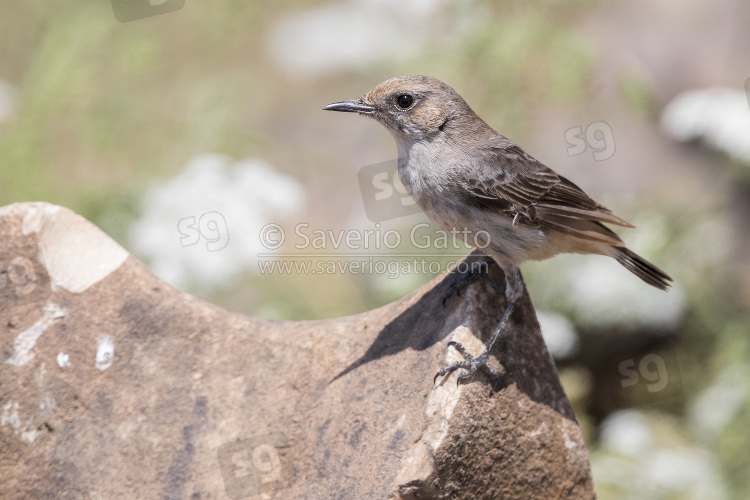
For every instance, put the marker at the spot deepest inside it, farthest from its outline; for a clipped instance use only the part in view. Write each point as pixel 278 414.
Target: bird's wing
pixel 510 174
pixel 510 180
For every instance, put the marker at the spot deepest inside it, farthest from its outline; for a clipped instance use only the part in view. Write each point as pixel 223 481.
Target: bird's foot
pixel 471 363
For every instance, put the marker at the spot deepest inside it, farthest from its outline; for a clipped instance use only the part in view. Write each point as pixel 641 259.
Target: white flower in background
pixel 559 334
pixel 603 294
pixel 597 293
pixel 7 100
pixel 647 446
pixel 351 34
pixel 202 227
pixel 626 432
pixel 718 404
pixel 719 116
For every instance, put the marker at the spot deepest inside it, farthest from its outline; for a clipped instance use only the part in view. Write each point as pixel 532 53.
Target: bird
pixel 469 178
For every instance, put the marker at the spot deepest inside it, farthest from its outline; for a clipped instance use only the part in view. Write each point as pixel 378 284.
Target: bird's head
pixel 412 108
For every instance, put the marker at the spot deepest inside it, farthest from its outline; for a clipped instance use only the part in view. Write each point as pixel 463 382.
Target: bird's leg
pixel 513 292
pixel 476 266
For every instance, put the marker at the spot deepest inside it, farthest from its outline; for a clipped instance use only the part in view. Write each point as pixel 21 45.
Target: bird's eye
pixel 404 101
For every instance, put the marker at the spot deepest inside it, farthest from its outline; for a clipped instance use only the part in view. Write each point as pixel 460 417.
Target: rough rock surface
pixel 113 385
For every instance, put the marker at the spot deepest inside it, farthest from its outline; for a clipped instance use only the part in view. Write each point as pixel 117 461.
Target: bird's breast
pixel 431 185
pixel 422 171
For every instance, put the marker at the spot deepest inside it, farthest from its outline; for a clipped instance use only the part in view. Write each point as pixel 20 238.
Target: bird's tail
pixel 642 268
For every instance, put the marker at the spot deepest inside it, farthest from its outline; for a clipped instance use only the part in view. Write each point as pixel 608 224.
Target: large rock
pixel 113 385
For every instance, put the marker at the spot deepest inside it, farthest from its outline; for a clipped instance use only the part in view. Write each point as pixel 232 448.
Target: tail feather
pixel 642 268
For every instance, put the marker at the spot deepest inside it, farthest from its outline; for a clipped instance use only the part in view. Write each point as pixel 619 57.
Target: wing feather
pixel 510 180
pixel 582 228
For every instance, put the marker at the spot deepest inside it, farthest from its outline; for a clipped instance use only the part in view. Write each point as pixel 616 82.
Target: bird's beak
pixel 353 106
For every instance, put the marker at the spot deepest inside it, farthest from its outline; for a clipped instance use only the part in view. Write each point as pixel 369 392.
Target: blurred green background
pixel 100 116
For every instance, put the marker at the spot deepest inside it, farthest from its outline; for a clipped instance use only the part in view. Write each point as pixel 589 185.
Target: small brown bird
pixel 468 178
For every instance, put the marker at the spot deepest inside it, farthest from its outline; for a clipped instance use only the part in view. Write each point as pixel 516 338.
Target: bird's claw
pixel 471 363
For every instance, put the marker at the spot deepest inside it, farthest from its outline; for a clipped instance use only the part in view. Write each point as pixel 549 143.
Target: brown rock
pixel 113 385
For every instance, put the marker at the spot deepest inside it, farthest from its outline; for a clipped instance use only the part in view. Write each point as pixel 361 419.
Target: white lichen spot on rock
pixel 105 352
pixel 401 421
pixel 63 360
pixel 10 416
pixel 565 424
pixel 539 430
pixel 47 405
pixel 30 433
pixel 26 340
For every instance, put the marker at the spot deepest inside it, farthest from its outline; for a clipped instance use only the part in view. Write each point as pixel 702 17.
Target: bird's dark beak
pixel 354 106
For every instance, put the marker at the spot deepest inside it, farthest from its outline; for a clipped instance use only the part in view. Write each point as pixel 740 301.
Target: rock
pixel 113 385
